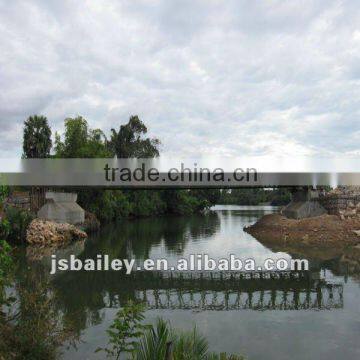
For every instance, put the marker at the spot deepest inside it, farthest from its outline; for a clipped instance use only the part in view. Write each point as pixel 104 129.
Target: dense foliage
pixel 5 260
pixel 13 227
pixel 130 141
pixel 4 192
pixel 37 137
pixel 80 141
pixel 256 196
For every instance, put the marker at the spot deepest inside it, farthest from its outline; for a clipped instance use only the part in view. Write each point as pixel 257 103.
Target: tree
pixel 76 135
pixel 80 141
pixel 37 137
pixel 129 141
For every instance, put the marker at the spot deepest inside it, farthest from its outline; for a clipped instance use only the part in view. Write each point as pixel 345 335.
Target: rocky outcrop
pixel 49 233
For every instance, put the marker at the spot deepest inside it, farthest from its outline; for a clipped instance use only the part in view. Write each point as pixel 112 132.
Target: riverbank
pixel 318 231
pixel 326 236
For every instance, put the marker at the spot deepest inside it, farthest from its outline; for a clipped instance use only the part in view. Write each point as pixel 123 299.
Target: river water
pixel 314 318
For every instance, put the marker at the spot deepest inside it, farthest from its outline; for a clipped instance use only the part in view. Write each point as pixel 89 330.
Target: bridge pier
pixel 304 204
pixel 62 207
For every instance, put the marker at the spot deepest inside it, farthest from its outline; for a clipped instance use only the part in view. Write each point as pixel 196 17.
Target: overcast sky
pixel 224 77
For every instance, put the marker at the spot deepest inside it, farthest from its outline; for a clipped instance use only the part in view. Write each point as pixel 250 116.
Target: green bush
pixel 4 228
pixel 5 259
pixel 19 221
pixel 125 330
pixel 6 265
pixel 109 205
pixel 4 192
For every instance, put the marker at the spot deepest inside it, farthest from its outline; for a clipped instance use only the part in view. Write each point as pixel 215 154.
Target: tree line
pixel 129 141
pixel 256 196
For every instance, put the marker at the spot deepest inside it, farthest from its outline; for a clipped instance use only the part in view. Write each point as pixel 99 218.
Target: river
pixel 270 319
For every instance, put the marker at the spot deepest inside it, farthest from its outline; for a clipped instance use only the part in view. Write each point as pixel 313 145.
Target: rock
pixel 48 233
pixel 357 232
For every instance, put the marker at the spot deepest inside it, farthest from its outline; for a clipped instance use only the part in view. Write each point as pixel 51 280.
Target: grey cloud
pixel 206 76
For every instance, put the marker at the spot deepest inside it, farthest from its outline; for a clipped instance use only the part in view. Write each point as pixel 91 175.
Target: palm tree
pixel 155 342
pixel 37 137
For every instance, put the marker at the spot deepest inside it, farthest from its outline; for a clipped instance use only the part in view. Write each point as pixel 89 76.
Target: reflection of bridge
pixel 234 291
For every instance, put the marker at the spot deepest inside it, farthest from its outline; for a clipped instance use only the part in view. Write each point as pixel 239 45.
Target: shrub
pixel 19 221
pixel 125 330
pixel 162 342
pixel 6 265
pixel 4 192
pixel 5 259
pixel 4 228
pixel 147 342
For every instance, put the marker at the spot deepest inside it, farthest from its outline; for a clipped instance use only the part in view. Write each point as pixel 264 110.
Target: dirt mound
pixel 48 233
pixel 324 230
pixel 325 222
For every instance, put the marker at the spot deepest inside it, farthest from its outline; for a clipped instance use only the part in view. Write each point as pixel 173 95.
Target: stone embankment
pixel 49 233
pixel 343 202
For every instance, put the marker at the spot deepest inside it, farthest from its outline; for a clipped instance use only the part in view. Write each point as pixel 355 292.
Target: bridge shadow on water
pixel 202 291
pixel 224 291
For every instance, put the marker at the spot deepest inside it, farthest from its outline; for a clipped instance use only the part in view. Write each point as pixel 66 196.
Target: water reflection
pixel 87 299
pixel 226 291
